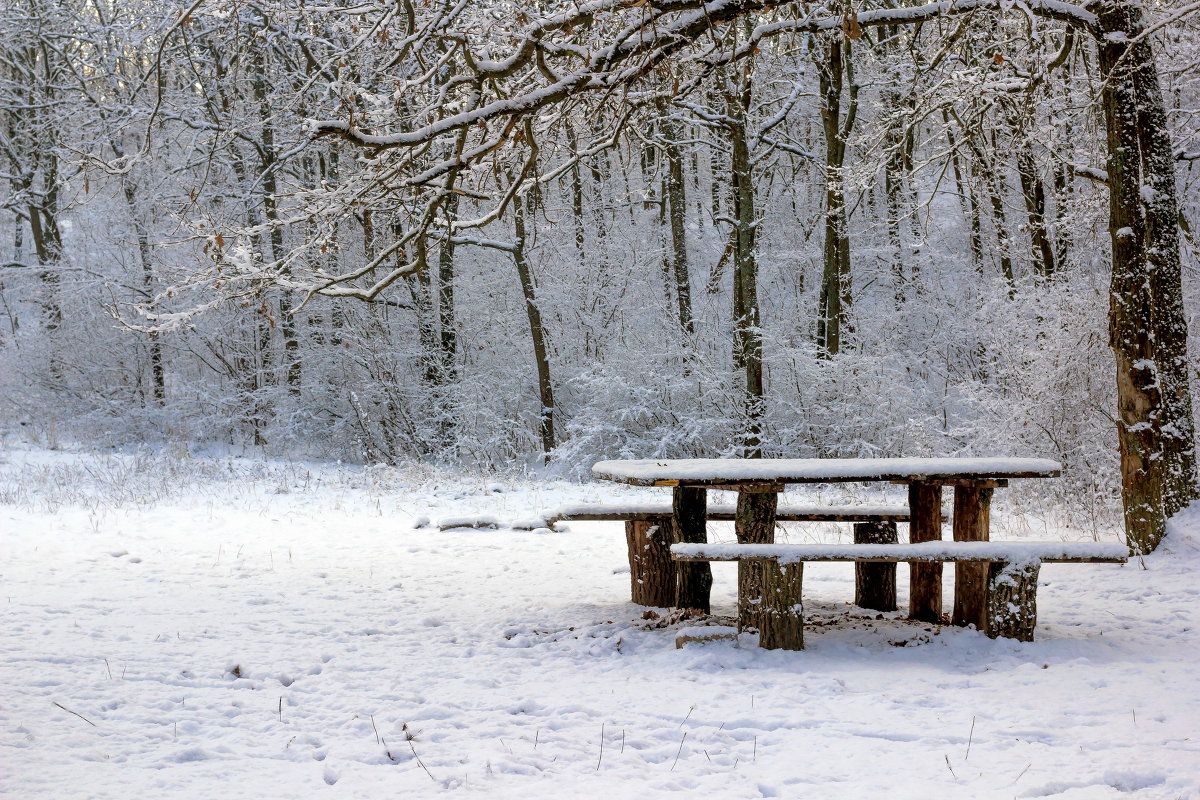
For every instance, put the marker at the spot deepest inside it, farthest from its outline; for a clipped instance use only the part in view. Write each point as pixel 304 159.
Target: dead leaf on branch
pixel 850 27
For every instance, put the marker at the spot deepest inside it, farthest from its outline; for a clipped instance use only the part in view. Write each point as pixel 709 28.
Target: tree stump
pixel 1012 600
pixel 972 511
pixel 925 525
pixel 651 569
pixel 755 523
pixel 693 579
pixel 875 584
pixel 782 613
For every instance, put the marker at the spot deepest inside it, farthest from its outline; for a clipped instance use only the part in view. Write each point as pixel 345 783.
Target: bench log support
pixel 651 571
pixel 972 511
pixel 782 614
pixel 693 581
pixel 925 580
pixel 875 583
pixel 1012 600
pixel 755 524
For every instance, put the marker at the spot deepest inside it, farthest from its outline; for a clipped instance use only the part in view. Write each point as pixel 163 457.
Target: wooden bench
pixel 652 575
pixel 1004 605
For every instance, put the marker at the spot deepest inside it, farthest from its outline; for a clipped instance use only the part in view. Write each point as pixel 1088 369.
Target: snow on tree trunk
pixel 1147 329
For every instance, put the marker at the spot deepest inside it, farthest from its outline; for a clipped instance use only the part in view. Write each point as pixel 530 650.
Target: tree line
pixel 492 233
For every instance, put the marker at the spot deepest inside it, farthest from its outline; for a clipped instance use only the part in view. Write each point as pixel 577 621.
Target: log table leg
pixel 755 523
pixel 651 569
pixel 875 584
pixel 925 525
pixel 1012 600
pixel 689 524
pixel 972 510
pixel 782 614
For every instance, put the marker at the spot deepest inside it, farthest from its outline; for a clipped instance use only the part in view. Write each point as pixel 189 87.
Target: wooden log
pixel 875 584
pixel 1012 600
pixel 755 524
pixel 925 580
pixel 693 580
pixel 651 571
pixel 972 512
pixel 782 614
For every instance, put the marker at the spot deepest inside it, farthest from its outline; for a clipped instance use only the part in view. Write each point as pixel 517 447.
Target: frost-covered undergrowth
pixel 179 627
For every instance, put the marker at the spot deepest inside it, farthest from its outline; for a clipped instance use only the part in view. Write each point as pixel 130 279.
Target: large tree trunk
pixel 1147 328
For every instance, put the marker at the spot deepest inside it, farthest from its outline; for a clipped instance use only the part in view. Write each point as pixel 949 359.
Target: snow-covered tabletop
pixel 717 471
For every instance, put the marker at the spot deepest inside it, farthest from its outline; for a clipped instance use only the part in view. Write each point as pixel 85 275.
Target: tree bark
pixel 651 569
pixel 925 525
pixel 537 332
pixel 1147 327
pixel 875 584
pixel 157 375
pixel 1011 600
pixel 693 578
pixel 783 607
pixel 747 334
pixel 755 524
pixel 833 314
pixel 676 199
pixel 972 515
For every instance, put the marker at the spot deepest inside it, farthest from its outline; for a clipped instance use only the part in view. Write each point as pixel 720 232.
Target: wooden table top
pixel 766 471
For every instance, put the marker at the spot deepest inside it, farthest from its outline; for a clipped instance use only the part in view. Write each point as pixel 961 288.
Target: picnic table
pixel 759 482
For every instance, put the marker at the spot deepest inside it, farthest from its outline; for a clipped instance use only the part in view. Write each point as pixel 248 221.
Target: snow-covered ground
pixel 184 627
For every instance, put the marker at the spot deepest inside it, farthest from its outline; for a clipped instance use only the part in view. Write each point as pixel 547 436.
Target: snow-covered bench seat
pixel 652 575
pixel 1003 606
pixel 786 512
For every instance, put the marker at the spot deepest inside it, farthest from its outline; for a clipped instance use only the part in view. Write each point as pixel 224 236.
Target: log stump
pixel 1012 600
pixel 693 579
pixel 651 570
pixel 972 512
pixel 782 614
pixel 755 523
pixel 925 525
pixel 875 584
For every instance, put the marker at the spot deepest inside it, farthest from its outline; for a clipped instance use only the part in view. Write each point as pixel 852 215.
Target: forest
pixel 525 236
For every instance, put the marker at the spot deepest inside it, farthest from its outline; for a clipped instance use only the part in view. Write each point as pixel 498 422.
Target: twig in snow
pixel 970 738
pixel 69 711
pixel 378 738
pixel 1027 766
pixel 107 667
pixel 281 708
pixel 689 714
pixel 948 765
pixel 680 750
pixel 408 737
pixel 537 734
pixel 601 758
pixel 622 740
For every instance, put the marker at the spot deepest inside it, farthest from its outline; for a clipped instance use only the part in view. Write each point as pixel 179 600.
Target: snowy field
pixel 184 627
